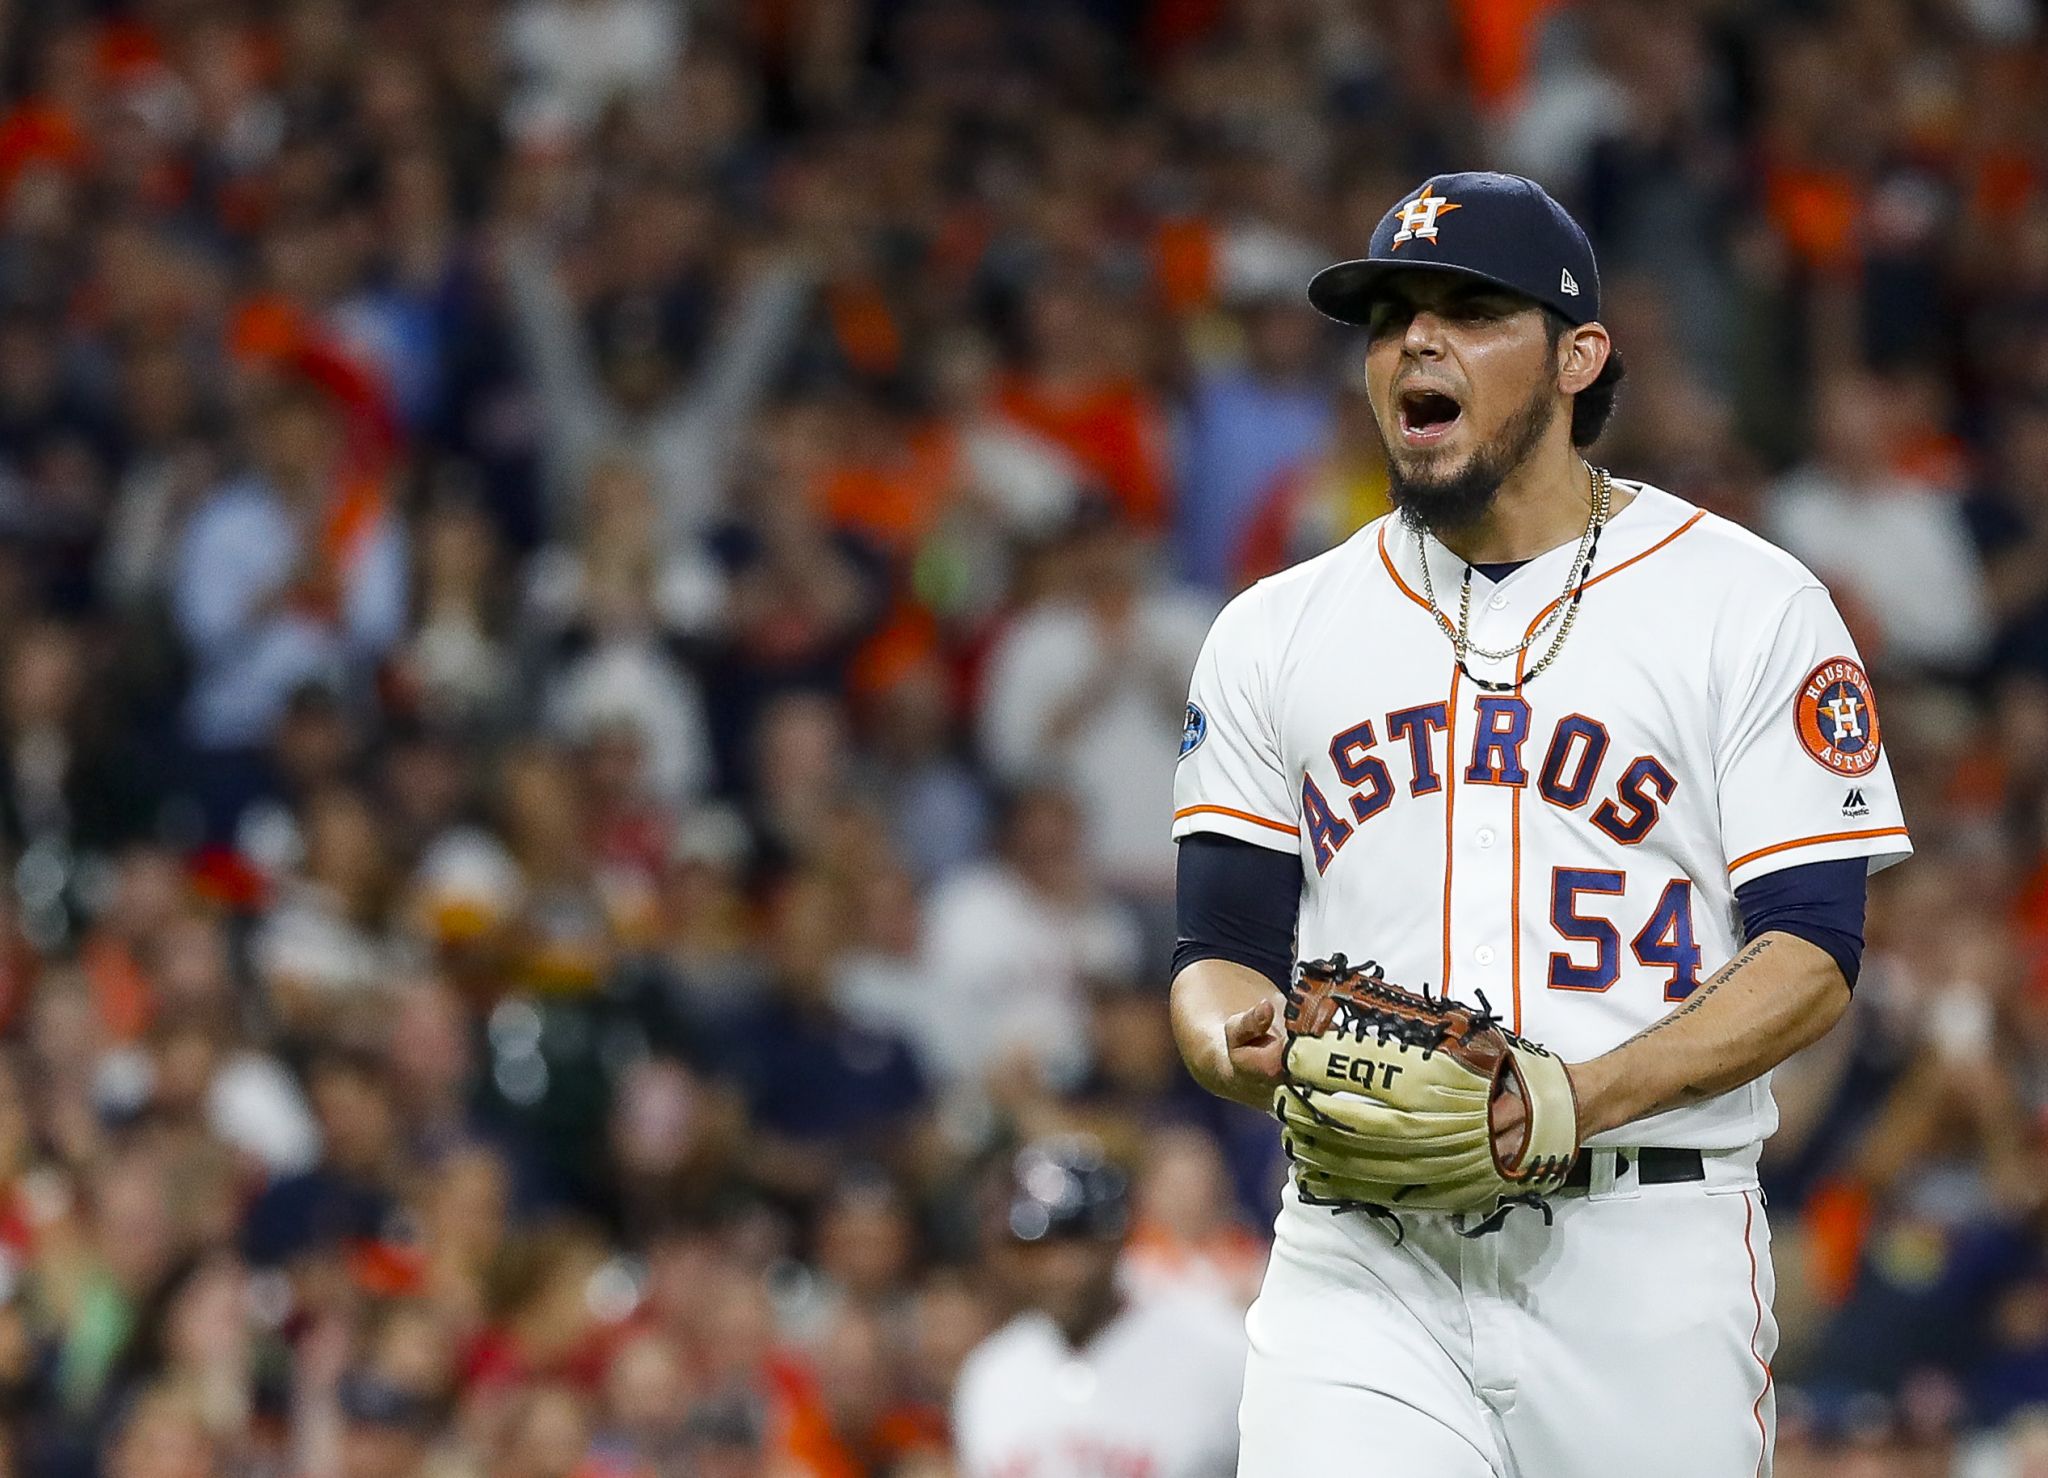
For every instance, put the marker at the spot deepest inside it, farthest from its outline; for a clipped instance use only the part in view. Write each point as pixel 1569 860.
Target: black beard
pixel 1460 498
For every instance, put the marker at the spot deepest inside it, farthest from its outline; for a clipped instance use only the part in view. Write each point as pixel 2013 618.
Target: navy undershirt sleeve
pixel 1821 902
pixel 1238 902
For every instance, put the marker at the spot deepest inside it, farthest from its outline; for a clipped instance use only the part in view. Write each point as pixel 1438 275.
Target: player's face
pixel 1463 383
pixel 1073 1279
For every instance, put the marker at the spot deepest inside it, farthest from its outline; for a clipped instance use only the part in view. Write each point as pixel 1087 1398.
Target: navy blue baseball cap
pixel 1499 228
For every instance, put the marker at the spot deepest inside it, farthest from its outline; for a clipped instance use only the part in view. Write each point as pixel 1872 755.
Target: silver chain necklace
pixel 1563 611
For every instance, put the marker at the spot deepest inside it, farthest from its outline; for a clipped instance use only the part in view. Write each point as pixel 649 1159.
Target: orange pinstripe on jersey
pixel 1394 574
pixel 1293 831
pixel 1833 836
pixel 1450 807
pixel 1515 903
pixel 1515 875
pixel 1632 559
pixel 1757 1409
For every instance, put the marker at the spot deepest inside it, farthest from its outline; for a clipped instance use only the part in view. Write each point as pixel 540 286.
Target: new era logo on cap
pixel 1569 286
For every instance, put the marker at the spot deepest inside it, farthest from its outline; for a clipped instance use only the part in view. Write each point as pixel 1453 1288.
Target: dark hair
pixel 1592 406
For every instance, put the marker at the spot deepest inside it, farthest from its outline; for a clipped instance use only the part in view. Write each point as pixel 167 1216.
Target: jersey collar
pixel 1653 519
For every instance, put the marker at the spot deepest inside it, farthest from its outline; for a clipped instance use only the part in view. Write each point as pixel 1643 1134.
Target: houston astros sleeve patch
pixel 1837 718
pixel 1803 771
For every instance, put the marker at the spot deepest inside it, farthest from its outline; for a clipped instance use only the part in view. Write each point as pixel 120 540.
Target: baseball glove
pixel 1388 1098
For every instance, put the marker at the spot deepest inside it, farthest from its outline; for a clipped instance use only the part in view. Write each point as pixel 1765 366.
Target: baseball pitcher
pixel 1521 836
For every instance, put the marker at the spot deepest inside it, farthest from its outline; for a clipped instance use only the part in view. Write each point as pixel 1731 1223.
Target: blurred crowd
pixel 595 598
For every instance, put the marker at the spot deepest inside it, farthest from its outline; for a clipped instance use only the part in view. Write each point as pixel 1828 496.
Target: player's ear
pixel 1581 355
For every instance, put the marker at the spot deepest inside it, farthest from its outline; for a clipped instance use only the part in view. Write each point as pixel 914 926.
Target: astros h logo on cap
pixel 1418 217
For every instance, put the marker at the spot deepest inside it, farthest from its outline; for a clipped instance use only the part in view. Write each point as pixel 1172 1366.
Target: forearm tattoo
pixel 1750 953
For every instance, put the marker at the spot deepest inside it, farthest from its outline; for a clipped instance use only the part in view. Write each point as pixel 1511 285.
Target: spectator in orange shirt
pixel 1072 389
pixel 844 1420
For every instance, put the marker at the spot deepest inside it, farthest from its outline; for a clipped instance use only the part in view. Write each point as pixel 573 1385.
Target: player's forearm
pixel 1207 994
pixel 1779 994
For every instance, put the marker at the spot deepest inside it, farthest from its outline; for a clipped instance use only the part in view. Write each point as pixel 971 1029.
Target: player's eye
pixel 1480 308
pixel 1389 317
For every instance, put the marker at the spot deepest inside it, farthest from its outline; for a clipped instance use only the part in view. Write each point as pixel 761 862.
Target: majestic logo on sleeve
pixel 1418 217
pixel 1836 719
pixel 1193 730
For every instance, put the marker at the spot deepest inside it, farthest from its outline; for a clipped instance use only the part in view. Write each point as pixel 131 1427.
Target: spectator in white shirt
pixel 1011 944
pixel 609 613
pixel 323 960
pixel 575 57
pixel 1089 686
pixel 670 378
pixel 1891 545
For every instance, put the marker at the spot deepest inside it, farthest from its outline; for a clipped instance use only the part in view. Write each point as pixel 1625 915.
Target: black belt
pixel 1654 1166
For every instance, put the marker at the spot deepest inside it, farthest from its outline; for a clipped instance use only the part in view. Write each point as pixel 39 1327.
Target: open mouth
pixel 1426 416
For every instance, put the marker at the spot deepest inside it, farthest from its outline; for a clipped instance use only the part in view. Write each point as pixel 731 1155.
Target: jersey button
pixel 1483 954
pixel 1483 836
pixel 1499 601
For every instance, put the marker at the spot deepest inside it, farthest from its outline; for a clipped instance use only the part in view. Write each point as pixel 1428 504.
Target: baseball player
pixel 1085 1383
pixel 1564 747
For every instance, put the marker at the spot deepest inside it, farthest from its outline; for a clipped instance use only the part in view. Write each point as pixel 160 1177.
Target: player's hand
pixel 1255 1051
pixel 1508 1118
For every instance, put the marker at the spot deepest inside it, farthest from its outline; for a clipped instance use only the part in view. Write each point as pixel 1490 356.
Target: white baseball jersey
pixel 1569 848
pixel 1153 1395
